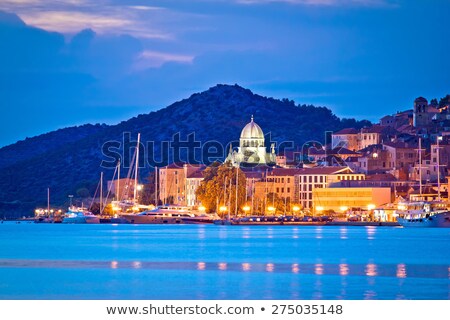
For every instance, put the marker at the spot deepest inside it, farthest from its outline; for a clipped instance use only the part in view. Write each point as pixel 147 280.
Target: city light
pixel 223 208
pixel 343 208
pixel 319 208
pixel 246 209
pixel 201 208
pixel 271 209
pixel 371 207
pixel 139 187
pixel 296 208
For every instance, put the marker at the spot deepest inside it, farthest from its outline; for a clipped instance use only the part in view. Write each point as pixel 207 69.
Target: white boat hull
pixel 82 220
pixel 440 220
pixel 143 219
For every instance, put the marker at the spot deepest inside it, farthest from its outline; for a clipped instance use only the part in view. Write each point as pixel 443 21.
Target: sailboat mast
pixel 420 167
pixel 253 191
pixel 265 195
pixel 156 186
pixel 229 201
pixel 438 169
pixel 101 192
pixel 136 167
pixel 48 201
pixel 118 181
pixel 237 187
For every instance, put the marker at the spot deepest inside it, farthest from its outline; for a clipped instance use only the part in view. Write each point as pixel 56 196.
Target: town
pixel 359 175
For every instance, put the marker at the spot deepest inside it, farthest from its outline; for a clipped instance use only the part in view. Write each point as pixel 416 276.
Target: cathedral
pixel 251 150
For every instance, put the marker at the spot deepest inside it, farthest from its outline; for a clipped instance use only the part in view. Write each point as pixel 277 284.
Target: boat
pixel 423 214
pixel 170 214
pixel 80 215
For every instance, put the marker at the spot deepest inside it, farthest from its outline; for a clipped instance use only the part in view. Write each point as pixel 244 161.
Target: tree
pixel 218 188
pixel 445 101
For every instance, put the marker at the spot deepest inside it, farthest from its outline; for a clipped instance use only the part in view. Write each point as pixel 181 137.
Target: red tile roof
pixel 347 131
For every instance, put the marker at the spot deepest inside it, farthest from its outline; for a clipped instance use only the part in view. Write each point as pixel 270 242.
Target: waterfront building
pixel 193 181
pixel 172 182
pixel 344 199
pixel 306 180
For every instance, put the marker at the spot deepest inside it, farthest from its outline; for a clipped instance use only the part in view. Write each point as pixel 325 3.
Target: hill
pixel 68 160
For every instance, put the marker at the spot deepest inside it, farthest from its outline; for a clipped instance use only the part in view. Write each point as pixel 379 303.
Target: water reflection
pixel 246 266
pixel 371 270
pixel 246 233
pixel 222 266
pixel 201 232
pixel 343 269
pixel 401 270
pixel 318 232
pixel 318 269
pixel 201 266
pixel 295 233
pixel 371 230
pixel 343 233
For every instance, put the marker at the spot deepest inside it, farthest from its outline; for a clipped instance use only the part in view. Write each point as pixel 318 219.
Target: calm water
pixel 44 261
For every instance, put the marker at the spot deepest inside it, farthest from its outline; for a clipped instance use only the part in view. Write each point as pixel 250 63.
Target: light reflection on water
pixel 221 262
pixel 370 270
pixel 401 270
pixel 371 231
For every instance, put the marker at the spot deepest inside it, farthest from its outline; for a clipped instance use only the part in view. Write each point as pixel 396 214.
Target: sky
pixel 70 62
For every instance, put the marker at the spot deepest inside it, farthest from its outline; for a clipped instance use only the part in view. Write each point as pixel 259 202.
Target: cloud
pixel 153 59
pixel 103 16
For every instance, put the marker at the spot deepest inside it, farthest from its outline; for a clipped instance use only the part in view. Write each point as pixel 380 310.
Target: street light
pixel 246 209
pixel 370 207
pixel 201 208
pixel 296 209
pixel 271 209
pixel 223 209
pixel 343 208
pixel 140 187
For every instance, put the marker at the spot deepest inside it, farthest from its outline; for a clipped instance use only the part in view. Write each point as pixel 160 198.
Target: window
pixel 288 190
pixel 282 190
pixel 288 180
pixel 278 190
pixel 310 179
pixel 282 180
pixel 315 179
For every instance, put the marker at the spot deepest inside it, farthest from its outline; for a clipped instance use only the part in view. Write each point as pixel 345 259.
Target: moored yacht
pixel 170 214
pixel 80 215
pixel 423 214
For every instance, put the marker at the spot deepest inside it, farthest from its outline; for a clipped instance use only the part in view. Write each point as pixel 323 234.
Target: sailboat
pixel 81 215
pixel 123 206
pixel 424 214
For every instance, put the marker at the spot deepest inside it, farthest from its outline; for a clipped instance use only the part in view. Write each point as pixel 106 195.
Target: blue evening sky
pixel 69 62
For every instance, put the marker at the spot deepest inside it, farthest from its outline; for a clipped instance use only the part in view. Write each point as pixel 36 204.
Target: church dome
pixel 252 131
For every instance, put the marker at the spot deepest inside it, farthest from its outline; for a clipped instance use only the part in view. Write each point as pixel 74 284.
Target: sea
pixel 171 262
